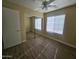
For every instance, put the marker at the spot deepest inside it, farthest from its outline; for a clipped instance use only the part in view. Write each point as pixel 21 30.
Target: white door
pixel 11 25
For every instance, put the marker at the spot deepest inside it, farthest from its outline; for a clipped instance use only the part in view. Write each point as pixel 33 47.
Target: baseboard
pixel 16 45
pixel 70 45
pixel 65 43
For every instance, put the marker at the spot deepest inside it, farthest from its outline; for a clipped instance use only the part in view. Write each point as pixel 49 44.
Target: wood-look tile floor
pixel 40 48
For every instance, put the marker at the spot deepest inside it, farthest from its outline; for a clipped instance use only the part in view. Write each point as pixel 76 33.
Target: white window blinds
pixel 55 24
pixel 38 23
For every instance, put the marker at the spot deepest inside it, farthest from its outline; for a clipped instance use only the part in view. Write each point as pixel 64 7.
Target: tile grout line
pixel 20 56
pixel 25 52
pixel 55 53
pixel 41 52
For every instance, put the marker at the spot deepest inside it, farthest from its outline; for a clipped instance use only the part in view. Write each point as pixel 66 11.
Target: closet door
pixel 11 27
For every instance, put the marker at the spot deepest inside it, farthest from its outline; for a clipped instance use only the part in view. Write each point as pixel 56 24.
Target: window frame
pixel 41 24
pixel 54 33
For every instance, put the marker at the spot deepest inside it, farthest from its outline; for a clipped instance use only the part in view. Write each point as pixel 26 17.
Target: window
pixel 55 24
pixel 38 23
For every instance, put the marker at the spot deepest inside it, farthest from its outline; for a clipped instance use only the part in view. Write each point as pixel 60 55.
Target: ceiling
pixel 35 4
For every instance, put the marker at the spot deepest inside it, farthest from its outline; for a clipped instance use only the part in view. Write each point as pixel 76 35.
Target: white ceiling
pixel 35 4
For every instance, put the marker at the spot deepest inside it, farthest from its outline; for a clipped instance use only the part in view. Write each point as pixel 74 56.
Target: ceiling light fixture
pixel 45 4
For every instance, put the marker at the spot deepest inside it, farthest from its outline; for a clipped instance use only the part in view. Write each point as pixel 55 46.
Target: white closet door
pixel 11 27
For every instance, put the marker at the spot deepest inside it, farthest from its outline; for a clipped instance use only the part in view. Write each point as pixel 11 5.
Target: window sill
pixel 56 35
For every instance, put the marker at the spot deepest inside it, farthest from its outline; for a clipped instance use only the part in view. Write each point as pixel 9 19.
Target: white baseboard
pixel 68 44
pixel 16 45
pixel 65 43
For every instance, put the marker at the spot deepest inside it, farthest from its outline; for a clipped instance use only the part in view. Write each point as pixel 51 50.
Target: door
pixel 11 27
